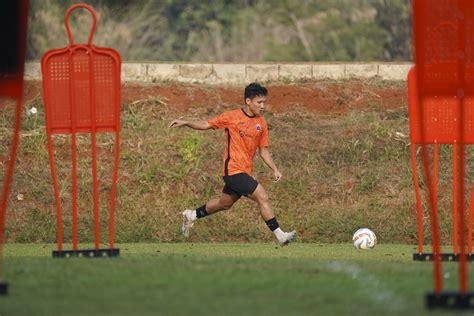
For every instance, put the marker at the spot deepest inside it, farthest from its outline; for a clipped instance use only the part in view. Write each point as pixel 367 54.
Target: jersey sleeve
pixel 221 121
pixel 264 137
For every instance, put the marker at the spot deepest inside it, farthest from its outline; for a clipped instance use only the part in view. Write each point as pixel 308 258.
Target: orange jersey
pixel 244 134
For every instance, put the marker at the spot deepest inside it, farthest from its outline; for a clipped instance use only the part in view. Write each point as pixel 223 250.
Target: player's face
pixel 257 104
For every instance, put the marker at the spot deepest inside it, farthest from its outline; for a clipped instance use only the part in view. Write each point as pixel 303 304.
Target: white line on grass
pixel 376 290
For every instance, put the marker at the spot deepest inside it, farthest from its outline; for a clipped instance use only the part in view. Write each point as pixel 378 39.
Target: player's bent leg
pixel 261 197
pixel 224 202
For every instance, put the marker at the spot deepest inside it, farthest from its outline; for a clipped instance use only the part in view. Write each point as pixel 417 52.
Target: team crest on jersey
pixel 259 128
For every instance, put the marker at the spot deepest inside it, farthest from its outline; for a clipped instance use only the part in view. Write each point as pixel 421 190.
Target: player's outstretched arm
pixel 267 158
pixel 199 125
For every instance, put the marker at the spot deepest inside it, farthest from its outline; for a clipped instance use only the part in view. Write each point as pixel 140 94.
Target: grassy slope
pixel 217 279
pixel 340 173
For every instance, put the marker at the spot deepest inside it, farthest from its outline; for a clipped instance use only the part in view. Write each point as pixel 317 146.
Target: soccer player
pixel 245 131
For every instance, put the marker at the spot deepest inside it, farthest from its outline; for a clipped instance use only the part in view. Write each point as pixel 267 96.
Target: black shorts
pixel 239 184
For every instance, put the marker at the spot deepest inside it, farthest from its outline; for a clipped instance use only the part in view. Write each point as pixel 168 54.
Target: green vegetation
pixel 232 30
pixel 340 172
pixel 216 279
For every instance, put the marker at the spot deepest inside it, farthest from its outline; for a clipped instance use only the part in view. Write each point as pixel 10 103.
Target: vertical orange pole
pixel 436 241
pixel 48 117
pixel 96 191
pixel 461 47
pixel 432 184
pixel 116 163
pixel 56 192
pixel 419 210
pixel 74 191
pixel 455 199
pixel 94 150
pixel 11 85
pixel 74 151
pixel 9 172
pixel 469 227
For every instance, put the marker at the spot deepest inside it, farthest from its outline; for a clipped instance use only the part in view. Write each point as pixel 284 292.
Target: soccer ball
pixel 364 238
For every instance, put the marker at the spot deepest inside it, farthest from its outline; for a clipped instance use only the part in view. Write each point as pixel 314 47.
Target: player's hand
pixel 177 123
pixel 277 175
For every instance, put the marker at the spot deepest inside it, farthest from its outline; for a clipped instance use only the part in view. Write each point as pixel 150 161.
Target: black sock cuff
pixel 272 224
pixel 201 211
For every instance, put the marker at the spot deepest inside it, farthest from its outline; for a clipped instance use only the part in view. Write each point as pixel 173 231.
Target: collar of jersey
pixel 242 109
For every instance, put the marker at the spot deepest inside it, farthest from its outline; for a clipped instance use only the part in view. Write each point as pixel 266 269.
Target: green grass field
pixel 220 279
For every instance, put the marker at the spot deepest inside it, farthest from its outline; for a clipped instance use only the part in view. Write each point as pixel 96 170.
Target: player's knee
pixel 226 205
pixel 263 198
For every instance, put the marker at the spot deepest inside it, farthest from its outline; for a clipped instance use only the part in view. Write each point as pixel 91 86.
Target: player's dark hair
pixel 255 90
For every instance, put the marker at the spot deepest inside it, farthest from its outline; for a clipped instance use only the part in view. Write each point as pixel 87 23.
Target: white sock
pixel 279 234
pixel 193 215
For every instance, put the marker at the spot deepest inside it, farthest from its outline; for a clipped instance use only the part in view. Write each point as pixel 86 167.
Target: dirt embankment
pixel 341 171
pixel 326 97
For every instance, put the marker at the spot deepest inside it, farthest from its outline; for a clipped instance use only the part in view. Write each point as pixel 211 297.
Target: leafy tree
pixel 231 30
pixel 329 30
pixel 394 18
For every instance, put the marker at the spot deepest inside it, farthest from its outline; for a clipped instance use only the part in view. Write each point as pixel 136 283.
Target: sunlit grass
pixel 207 279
